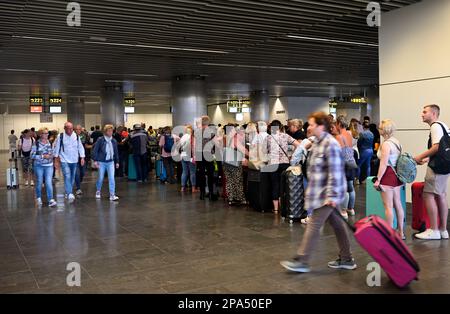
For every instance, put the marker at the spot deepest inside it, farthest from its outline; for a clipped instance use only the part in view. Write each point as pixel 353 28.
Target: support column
pixel 112 107
pixel 75 111
pixel 188 99
pixel 260 106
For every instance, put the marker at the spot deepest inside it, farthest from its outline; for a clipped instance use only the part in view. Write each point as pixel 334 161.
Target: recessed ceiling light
pixel 334 41
pixel 319 83
pixel 95 38
pixel 45 38
pixel 263 67
pixel 23 70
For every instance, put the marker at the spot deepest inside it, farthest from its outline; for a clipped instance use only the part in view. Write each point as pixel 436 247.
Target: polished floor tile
pixel 157 240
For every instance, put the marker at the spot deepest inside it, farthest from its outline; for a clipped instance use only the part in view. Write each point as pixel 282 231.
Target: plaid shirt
pixel 326 175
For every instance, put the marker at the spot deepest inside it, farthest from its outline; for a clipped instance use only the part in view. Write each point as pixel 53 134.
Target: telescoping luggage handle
pixel 404 253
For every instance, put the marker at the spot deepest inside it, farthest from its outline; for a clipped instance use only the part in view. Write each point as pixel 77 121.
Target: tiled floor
pixel 157 240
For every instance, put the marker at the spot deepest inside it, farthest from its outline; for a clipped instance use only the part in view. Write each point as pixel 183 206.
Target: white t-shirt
pixel 437 133
pixel 395 151
pixel 27 144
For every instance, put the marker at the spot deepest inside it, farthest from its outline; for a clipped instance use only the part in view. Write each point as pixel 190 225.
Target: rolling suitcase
pixel 12 178
pixel 292 196
pixel 132 175
pixel 420 218
pixel 258 191
pixel 387 248
pixel 374 202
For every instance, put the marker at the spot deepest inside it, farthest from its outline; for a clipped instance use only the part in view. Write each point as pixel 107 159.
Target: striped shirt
pixel 326 175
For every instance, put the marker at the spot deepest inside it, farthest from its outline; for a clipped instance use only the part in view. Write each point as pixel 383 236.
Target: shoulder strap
pixel 279 146
pixel 61 142
pixel 396 145
pixel 443 129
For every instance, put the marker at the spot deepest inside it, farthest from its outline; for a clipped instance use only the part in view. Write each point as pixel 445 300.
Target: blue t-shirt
pixel 365 140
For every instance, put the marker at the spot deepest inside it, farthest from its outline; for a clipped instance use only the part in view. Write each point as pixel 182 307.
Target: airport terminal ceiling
pixel 291 48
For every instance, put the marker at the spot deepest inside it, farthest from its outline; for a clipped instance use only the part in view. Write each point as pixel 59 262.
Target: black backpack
pixel 61 142
pixel 440 163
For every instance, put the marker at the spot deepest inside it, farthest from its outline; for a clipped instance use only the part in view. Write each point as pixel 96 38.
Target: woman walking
pixel 106 158
pixel 42 156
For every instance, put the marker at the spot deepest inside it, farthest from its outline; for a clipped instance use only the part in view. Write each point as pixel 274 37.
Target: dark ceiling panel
pixel 244 43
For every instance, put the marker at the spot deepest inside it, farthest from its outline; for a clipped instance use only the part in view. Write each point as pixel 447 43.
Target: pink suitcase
pixel 388 249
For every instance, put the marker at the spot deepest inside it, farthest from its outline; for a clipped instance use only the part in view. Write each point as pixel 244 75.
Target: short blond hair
pixel 42 130
pixel 387 127
pixel 296 123
pixel 205 120
pixel 108 127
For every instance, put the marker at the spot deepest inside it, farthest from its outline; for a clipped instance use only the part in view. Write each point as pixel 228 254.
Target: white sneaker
pixel 52 203
pixel 78 192
pixel 32 183
pixel 26 183
pixel 113 198
pixel 305 221
pixel 345 215
pixel 71 197
pixel 98 195
pixel 429 234
pixel 444 235
pixel 351 212
pixel 39 201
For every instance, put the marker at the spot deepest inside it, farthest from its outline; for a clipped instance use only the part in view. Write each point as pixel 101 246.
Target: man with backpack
pixel 438 173
pixel 69 151
pixel 138 140
pixel 167 142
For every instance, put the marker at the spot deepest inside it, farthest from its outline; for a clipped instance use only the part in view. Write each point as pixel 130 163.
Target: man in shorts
pixel 435 190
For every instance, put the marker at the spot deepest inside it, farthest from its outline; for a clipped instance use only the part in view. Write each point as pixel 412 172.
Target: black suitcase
pixel 292 203
pixel 259 195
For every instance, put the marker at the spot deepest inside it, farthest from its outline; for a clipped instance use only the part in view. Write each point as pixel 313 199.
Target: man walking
pixel 326 189
pixel 435 190
pixel 69 151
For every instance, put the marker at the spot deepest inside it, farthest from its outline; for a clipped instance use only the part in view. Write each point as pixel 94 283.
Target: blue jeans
pixel 69 171
pixel 350 196
pixel 364 164
pixel 108 167
pixel 189 170
pixel 81 170
pixel 42 174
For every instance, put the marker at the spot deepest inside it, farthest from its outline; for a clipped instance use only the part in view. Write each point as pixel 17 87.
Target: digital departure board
pixel 55 100
pixel 36 109
pixel 130 101
pixel 36 101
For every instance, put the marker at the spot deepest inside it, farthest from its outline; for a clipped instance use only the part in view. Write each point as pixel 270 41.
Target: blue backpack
pixel 406 169
pixel 168 143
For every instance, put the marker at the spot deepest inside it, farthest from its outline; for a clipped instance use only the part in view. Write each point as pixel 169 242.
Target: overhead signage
pixel 55 100
pixel 130 101
pixel 129 109
pixel 36 101
pixel 36 109
pixel 55 109
pixel 241 105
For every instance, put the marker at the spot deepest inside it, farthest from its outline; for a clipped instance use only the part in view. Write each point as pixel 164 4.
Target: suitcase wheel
pixel 9 187
pixel 291 221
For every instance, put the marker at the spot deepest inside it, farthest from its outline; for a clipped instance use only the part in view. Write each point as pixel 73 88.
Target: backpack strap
pixel 61 142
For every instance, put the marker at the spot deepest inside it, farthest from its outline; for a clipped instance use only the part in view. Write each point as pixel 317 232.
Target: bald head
pixel 68 128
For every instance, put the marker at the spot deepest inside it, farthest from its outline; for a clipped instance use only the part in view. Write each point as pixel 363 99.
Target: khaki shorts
pixel 436 183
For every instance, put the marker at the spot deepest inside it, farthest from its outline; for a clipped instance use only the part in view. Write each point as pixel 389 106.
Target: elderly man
pixel 69 151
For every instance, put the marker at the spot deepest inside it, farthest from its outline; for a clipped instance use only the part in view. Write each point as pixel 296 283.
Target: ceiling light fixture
pixel 23 70
pixel 319 83
pixel 45 38
pixel 156 47
pixel 263 67
pixel 334 41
